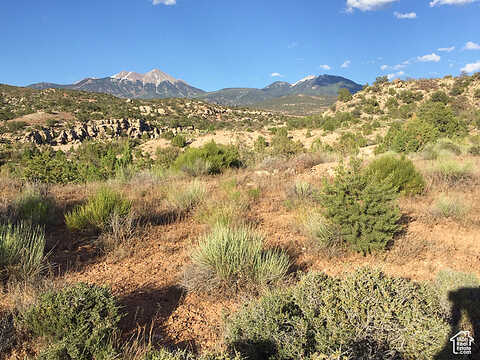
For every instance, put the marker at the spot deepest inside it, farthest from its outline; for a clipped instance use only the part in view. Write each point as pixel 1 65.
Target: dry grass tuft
pixel 450 171
pixel 449 207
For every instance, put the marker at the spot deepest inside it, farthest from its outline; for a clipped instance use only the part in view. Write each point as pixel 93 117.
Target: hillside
pixel 299 105
pixel 400 99
pixel 52 115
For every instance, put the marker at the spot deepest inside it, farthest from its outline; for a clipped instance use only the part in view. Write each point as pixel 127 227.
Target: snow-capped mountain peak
pixel 309 77
pixel 154 76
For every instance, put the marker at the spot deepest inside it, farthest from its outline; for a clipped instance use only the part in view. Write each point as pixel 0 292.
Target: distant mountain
pixel 157 84
pixel 323 85
pixel 126 84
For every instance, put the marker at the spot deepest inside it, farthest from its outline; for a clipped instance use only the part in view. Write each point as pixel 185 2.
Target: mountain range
pixel 157 84
pixel 126 84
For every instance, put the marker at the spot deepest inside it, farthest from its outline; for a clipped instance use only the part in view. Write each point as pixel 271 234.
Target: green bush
pixel 283 145
pixel 79 321
pixel 367 315
pixel 166 156
pixel 164 354
pixel 96 214
pixel 406 111
pixel 474 150
pixel 8 336
pixel 443 119
pixel 329 123
pixel 350 143
pixel 411 136
pixel 91 161
pixel 440 96
pixel 260 144
pixel 391 104
pixel 210 159
pixel 46 166
pixel 179 141
pixel 14 126
pixel 399 172
pixel 364 209
pixel 22 248
pixel 409 97
pixel 34 205
pixel 232 255
pixel 476 95
pixel 344 95
pixel 381 80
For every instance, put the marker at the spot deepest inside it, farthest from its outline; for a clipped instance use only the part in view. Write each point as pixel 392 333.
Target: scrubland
pixel 338 236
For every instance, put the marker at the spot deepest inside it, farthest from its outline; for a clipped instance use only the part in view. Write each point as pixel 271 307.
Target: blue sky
pixel 213 44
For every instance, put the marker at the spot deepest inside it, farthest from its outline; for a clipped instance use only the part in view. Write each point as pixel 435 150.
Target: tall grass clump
pixel 122 230
pixel 228 211
pixel 96 214
pixel 35 205
pixel 366 315
pixel 236 255
pixel 447 145
pixel 323 234
pixel 451 171
pixel 449 281
pixel 230 205
pixel 449 207
pixel 78 321
pixel 302 191
pixel 185 199
pixel 398 171
pixel 22 251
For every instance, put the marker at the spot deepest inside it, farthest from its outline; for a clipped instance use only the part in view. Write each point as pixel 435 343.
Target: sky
pixel 214 44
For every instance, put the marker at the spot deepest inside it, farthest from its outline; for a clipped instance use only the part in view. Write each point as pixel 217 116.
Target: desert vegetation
pixel 347 235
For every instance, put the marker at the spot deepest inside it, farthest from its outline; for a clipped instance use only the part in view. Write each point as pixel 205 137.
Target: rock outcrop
pixel 105 129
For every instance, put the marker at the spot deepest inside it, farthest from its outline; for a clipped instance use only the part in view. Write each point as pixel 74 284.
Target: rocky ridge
pixel 104 129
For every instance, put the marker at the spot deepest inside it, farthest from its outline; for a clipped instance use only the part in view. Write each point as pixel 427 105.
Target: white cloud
pixel 276 74
pixel 293 45
pixel 472 46
pixel 449 49
pixel 395 75
pixel 471 68
pixel 411 15
pixel 450 2
pixel 400 66
pixel 325 67
pixel 429 58
pixel 346 64
pixel 164 2
pixel 367 5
